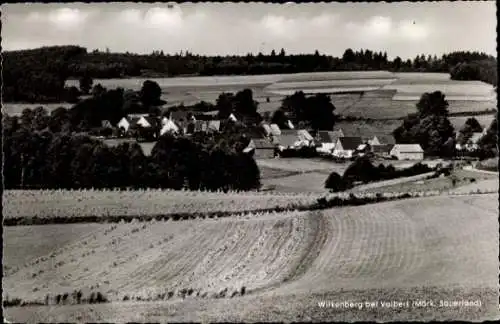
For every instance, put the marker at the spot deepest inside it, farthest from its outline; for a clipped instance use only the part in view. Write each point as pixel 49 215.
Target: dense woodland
pixel 45 151
pixel 39 75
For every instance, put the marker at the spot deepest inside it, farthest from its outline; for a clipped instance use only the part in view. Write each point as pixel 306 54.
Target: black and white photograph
pixel 249 162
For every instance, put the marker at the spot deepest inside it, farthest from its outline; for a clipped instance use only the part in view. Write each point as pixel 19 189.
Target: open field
pixel 386 94
pixel 17 108
pixel 459 121
pixel 67 204
pixel 482 181
pixel 288 262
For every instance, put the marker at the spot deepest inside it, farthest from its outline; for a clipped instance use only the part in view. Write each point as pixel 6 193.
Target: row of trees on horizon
pixel 39 75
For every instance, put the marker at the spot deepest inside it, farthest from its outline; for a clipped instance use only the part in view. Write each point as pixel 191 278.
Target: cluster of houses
pixel 472 144
pixel 175 122
pixel 270 141
pixel 332 143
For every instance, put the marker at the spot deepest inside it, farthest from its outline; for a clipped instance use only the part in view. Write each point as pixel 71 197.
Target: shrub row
pixel 74 298
pixel 336 201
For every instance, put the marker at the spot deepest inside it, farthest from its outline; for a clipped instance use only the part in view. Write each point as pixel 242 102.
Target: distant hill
pixel 38 75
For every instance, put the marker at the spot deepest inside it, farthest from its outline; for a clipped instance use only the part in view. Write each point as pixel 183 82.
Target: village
pixel 269 141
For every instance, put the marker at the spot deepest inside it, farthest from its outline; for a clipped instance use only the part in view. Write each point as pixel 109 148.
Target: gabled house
pixel 275 130
pixel 381 140
pixel 126 123
pixel 326 141
pixel 472 144
pixel 232 117
pixel 346 147
pixel 148 121
pixel 294 139
pixel 266 128
pixel 168 126
pixel 261 148
pixel 214 125
pixel 106 124
pixel 407 152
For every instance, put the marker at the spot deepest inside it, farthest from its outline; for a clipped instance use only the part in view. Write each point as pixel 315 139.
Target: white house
pixel 232 117
pixel 345 147
pixel 126 122
pixel 327 141
pixel 407 152
pixel 168 126
pixel 275 130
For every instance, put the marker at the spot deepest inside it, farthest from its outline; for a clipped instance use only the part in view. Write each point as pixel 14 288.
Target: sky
pixel 402 29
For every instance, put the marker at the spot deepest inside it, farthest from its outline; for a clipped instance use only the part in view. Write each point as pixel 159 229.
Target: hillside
pixel 401 250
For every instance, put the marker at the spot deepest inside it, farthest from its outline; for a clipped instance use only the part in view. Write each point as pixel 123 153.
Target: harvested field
pixel 68 204
pixel 459 121
pixel 289 262
pixel 13 109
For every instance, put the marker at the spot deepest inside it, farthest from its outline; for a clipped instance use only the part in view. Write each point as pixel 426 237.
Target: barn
pixel 407 152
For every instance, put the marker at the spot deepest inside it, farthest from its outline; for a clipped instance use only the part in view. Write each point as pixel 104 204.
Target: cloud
pixel 62 17
pixel 241 28
pixel 164 18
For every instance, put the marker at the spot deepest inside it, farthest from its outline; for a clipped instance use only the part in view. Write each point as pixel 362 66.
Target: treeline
pixel 38 75
pixel 362 170
pixel 51 158
pixel 431 128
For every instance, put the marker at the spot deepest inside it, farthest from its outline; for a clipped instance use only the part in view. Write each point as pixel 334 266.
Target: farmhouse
pixel 275 130
pixel 261 148
pixel 168 126
pixel 407 152
pixel 327 140
pixel 381 140
pixel 472 143
pixel 293 139
pixel 147 122
pixel 127 122
pixel 346 147
pixel 213 125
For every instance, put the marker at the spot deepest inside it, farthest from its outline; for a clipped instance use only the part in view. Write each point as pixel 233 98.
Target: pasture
pixel 194 270
pixel 464 183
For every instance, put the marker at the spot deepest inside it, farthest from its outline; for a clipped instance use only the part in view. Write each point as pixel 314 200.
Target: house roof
pixel 304 135
pixel 408 148
pixel 350 143
pixel 153 121
pixel 384 148
pixel 266 128
pixel 288 140
pixel 275 130
pixel 475 137
pixel 179 115
pixel 328 137
pixel 261 143
pixel 214 125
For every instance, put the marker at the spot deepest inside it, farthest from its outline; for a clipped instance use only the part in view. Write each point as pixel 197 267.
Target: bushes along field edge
pixel 350 199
